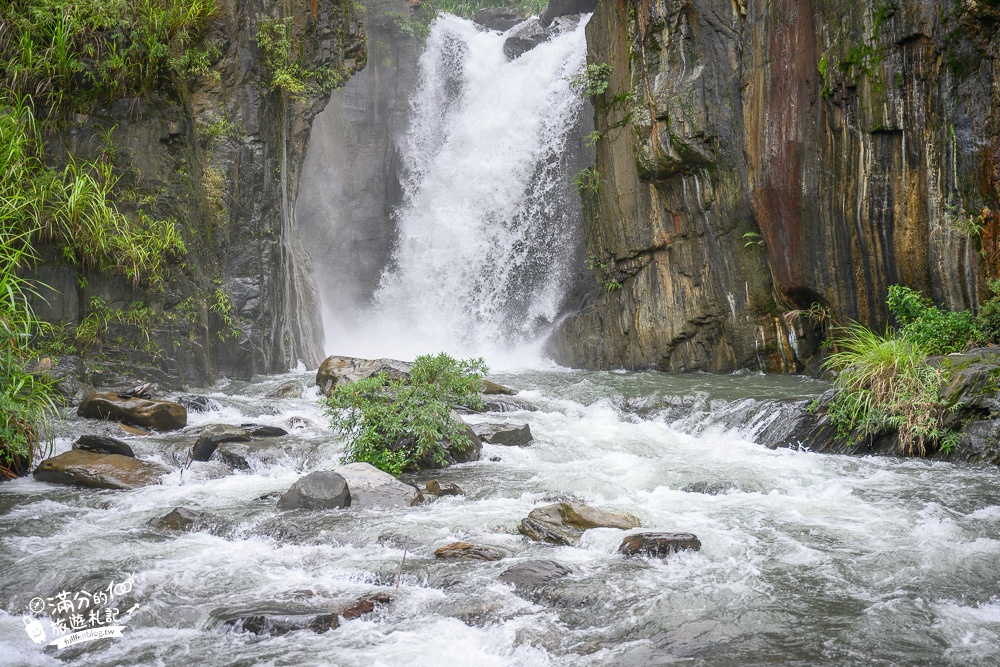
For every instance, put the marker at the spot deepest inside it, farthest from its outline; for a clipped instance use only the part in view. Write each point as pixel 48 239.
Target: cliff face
pixel 220 154
pixel 758 158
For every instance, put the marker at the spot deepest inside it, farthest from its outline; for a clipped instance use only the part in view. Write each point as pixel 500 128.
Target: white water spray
pixel 486 230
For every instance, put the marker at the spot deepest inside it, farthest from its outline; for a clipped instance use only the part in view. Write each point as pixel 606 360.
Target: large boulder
pixel 658 545
pixel 530 574
pixel 370 487
pixel 564 523
pixel 290 389
pixel 102 444
pixel 510 435
pixel 321 490
pixel 557 8
pixel 158 415
pixel 469 551
pixel 523 38
pixel 492 388
pixel 337 370
pixel 78 467
pixel 501 19
pixel 214 435
pixel 473 449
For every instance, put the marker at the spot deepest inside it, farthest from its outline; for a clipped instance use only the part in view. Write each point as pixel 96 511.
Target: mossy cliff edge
pixel 766 168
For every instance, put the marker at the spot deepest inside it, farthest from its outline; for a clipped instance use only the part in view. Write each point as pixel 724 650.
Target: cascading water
pixel 486 232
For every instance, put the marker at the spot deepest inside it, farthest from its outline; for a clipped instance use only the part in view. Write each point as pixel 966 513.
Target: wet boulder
pixel 658 545
pixel 557 8
pixel 510 435
pixel 494 389
pixel 494 403
pixel 469 551
pixel 564 523
pixel 501 19
pixel 321 490
pixel 290 389
pixel 370 487
pixel 102 444
pixel 214 435
pixel 79 467
pixel 263 430
pixel 530 574
pixel 198 403
pixel 473 449
pixel 438 489
pixel 523 38
pixel 708 488
pixel 179 519
pixel 337 370
pixel 277 624
pixel 365 604
pixel 157 415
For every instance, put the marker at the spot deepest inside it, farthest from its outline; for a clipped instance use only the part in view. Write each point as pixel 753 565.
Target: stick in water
pixel 399 572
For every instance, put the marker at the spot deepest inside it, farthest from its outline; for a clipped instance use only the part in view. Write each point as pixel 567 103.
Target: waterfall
pixel 488 231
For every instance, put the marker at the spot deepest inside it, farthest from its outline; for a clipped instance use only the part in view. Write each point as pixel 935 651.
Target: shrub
pixel 935 331
pixel 394 424
pixel 885 383
pixel 593 80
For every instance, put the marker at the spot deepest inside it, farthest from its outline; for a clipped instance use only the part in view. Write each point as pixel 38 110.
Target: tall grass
pixel 886 384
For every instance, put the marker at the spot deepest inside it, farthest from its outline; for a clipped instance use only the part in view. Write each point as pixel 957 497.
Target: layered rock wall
pixel 757 158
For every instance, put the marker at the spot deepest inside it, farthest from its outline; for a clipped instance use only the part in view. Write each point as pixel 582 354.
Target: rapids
pixel 807 559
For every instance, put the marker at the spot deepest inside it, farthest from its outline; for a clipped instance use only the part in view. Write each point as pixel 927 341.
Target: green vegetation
pixel 92 333
pixel 467 8
pixel 221 305
pixel 588 179
pixel 70 55
pixel 932 330
pixel 283 62
pixel 886 384
pixel 752 239
pixel 593 80
pixel 395 424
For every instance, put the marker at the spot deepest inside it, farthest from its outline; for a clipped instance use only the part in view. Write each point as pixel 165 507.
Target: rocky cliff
pixel 220 154
pixel 761 159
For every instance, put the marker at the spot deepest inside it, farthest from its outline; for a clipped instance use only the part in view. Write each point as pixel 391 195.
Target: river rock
pixel 263 431
pixel 564 523
pixel 530 574
pixel 336 370
pixel 507 404
pixel 523 38
pixel 438 489
pixel 708 488
pixel 79 467
pixel 180 519
pixel 158 415
pixel 493 389
pixel 198 403
pixel 370 487
pixel 214 435
pixel 473 451
pixel 557 8
pixel 501 19
pixel 510 435
pixel 290 389
pixel 275 625
pixel 102 444
pixel 469 551
pixel 365 605
pixel 658 545
pixel 321 490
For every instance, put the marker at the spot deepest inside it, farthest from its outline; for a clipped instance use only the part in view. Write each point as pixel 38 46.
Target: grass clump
pixel 933 330
pixel 886 384
pixel 283 63
pixel 394 424
pixel 593 80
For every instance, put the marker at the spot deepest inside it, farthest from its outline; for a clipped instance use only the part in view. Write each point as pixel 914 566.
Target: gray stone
pixel 438 489
pixel 319 490
pixel 179 519
pixel 370 487
pixel 530 574
pixel 103 444
pixel 557 8
pixel 198 403
pixel 214 435
pixel 469 551
pixel 79 467
pixel 263 431
pixel 337 370
pixel 658 545
pixel 708 488
pixel 564 523
pixel 290 389
pixel 523 38
pixel 501 19
pixel 510 435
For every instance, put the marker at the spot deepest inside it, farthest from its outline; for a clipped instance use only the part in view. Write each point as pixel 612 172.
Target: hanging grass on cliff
pixel 394 424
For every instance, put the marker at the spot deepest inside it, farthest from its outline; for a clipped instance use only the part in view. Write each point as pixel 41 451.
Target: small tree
pixel 394 424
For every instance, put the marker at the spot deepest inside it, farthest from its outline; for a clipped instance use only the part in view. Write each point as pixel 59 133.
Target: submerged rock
pixel 79 467
pixel 158 415
pixel 214 435
pixel 507 404
pixel 275 625
pixel 658 545
pixel 336 370
pixel 438 489
pixel 557 8
pixel 198 403
pixel 510 435
pixel 370 487
pixel 708 488
pixel 102 444
pixel 321 490
pixel 530 574
pixel 290 389
pixel 180 519
pixel 469 551
pixel 523 38
pixel 501 19
pixel 364 605
pixel 564 523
